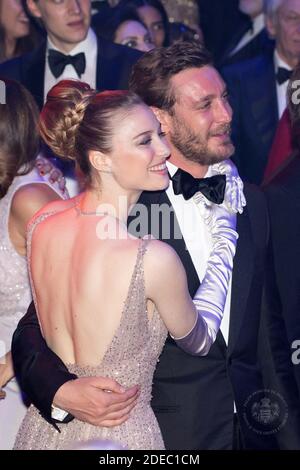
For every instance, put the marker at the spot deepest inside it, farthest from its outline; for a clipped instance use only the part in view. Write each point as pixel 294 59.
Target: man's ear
pixel 270 23
pixel 33 8
pixel 100 162
pixel 163 117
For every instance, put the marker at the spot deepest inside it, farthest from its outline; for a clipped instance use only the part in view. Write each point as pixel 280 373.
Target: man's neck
pixel 290 60
pixel 193 168
pixel 64 47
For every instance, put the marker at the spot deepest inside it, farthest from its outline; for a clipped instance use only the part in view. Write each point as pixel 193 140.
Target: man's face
pixel 285 27
pixel 66 21
pixel 199 127
pixel 251 7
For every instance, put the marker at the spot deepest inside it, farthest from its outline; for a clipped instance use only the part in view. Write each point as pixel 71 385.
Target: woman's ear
pixel 100 162
pixel 163 117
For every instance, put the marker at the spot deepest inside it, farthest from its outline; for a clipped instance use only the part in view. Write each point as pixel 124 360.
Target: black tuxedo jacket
pixel 283 286
pixel 192 396
pixel 252 89
pixel 114 64
pixel 219 21
pixel 260 44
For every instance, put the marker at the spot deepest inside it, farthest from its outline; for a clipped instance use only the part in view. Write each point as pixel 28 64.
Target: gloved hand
pixel 234 195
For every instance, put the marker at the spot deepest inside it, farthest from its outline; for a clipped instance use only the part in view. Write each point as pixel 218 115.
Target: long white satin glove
pixel 211 296
pixel 234 198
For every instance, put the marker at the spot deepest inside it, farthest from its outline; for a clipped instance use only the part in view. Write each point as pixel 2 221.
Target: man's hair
pixel 151 75
pixel 271 7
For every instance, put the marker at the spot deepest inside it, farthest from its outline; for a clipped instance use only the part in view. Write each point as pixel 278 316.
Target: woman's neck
pixel 10 47
pixel 98 202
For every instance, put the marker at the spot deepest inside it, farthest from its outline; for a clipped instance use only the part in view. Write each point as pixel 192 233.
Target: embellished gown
pixel 130 359
pixel 15 297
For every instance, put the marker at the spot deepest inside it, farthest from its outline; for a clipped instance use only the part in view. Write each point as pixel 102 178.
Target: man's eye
pixel 205 105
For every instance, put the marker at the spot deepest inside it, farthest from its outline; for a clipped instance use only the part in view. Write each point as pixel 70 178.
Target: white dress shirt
pixel 197 238
pixel 258 25
pixel 281 89
pixel 89 46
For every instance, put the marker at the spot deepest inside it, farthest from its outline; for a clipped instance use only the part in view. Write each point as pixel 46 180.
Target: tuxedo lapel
pixel 108 68
pixel 241 277
pixel 33 73
pixel 171 233
pixel 244 27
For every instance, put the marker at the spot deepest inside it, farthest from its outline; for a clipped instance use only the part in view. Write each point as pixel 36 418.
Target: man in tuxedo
pixel 71 50
pixel 218 21
pixel 200 402
pixel 283 273
pixel 250 36
pixel 258 89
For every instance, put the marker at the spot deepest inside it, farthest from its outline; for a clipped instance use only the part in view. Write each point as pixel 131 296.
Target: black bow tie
pixel 58 62
pixel 283 75
pixel 213 188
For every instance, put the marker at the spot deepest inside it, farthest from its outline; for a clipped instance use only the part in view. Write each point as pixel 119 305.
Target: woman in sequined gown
pixel 23 191
pixel 97 289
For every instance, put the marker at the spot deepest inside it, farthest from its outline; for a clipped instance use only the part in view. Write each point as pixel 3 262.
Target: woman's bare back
pixel 87 281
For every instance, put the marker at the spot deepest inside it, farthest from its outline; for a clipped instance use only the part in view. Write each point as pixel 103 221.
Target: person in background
pixel 258 87
pixel 154 16
pixel 23 191
pixel 250 38
pixel 283 273
pixel 123 26
pixel 17 35
pixel 71 50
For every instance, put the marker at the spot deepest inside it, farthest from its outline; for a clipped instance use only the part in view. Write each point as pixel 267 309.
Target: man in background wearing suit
pixel 200 402
pixel 250 37
pixel 258 89
pixel 283 273
pixel 71 50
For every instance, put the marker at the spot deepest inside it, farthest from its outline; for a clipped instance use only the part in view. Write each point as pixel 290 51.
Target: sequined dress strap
pixel 30 229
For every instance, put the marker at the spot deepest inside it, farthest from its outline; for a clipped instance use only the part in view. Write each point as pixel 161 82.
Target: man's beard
pixel 196 149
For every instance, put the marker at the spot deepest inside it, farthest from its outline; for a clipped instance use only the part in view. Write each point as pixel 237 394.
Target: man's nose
pixel 75 6
pixel 224 112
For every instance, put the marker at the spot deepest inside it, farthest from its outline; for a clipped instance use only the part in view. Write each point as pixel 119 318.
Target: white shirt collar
pixel 85 46
pixel 279 62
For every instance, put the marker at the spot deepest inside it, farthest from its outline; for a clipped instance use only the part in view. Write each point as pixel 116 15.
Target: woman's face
pixel 154 22
pixel 13 19
pixel 139 151
pixel 133 34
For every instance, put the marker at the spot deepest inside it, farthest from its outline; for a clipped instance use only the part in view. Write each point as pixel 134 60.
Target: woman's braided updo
pixel 76 119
